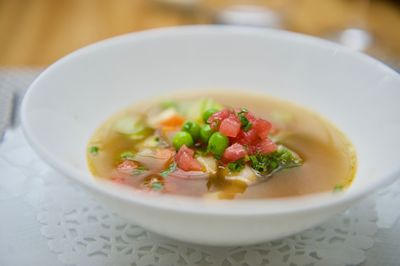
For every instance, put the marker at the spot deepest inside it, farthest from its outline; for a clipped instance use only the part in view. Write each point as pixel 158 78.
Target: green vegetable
pixel 127 155
pixel 208 113
pixel 236 166
pixel 157 186
pixel 182 138
pixel 246 125
pixel 205 133
pixel 270 163
pixel 338 188
pixel 210 103
pixel 170 169
pixel 139 170
pixel 217 144
pixel 168 104
pixel 94 150
pixel 135 127
pixel 128 125
pixel 193 128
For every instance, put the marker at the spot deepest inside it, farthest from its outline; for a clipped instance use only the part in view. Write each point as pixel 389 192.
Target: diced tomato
pixel 215 119
pixel 250 117
pixel 262 127
pixel 266 146
pixel 230 126
pixel 127 166
pixel 234 153
pixel 247 138
pixel 185 160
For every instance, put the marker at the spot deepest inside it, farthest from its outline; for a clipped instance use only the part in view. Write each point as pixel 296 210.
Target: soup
pixel 222 146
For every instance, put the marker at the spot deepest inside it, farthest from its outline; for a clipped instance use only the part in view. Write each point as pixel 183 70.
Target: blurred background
pixel 38 32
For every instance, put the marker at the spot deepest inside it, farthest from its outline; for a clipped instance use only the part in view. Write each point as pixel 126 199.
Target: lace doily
pixel 82 232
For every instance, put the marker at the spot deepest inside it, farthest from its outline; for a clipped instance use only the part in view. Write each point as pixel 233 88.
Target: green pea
pixel 217 144
pixel 205 133
pixel 193 128
pixel 208 113
pixel 182 138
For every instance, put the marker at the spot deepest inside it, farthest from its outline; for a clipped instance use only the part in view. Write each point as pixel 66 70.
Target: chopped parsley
pixel 139 170
pixel 94 150
pixel 127 155
pixel 281 159
pixel 246 125
pixel 170 169
pixel 338 188
pixel 236 166
pixel 157 186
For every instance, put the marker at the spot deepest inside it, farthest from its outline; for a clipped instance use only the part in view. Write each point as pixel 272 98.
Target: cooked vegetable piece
pixel 230 126
pixel 236 166
pixel 169 104
pixel 215 119
pixel 129 125
pixel 217 144
pixel 208 113
pixel 262 127
pixel 270 163
pixel 170 169
pixel 182 138
pixel 127 155
pixel 234 152
pixel 338 188
pixel 193 128
pixel 205 133
pixel 167 118
pixel 94 150
pixel 155 183
pixel 185 160
pixel 245 123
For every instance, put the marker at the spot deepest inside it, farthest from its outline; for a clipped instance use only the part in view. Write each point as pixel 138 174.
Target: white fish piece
pixel 209 164
pixel 247 175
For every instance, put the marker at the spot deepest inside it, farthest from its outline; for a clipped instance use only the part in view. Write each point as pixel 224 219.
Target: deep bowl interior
pixel 74 96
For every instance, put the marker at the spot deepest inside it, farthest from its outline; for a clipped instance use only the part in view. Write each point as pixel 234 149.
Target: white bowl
pixel 74 96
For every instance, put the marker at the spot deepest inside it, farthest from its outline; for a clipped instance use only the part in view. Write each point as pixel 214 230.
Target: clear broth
pixel 329 158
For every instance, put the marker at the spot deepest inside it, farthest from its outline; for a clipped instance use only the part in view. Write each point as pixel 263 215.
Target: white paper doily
pixel 82 232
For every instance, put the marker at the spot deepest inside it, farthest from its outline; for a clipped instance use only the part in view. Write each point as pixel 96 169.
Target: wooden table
pixel 38 32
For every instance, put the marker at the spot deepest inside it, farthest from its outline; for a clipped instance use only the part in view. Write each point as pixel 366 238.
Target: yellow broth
pixel 329 158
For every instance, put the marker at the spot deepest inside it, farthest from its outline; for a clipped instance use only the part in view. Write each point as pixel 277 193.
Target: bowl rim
pixel 253 207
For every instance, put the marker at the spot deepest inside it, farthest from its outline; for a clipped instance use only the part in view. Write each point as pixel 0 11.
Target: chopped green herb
pixel 246 125
pixel 170 169
pixel 236 166
pixel 94 150
pixel 157 139
pixel 281 159
pixel 338 188
pixel 127 155
pixel 157 186
pixel 139 170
